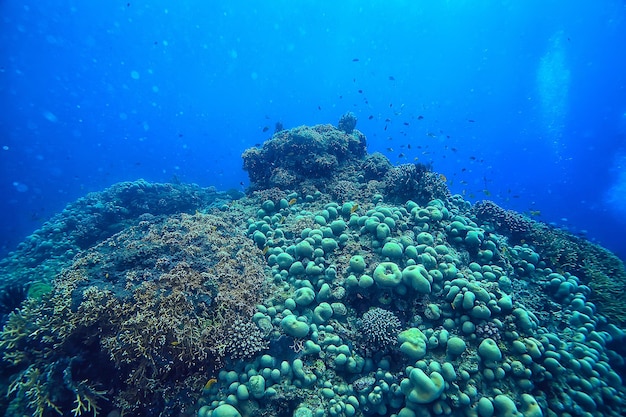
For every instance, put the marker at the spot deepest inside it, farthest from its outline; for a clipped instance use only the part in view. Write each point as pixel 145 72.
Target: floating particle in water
pixel 134 75
pixel 20 187
pixel 49 116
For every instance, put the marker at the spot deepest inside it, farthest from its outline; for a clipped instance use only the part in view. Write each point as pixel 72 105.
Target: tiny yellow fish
pixel 175 343
pixel 265 249
pixel 210 383
pixel 293 201
pixel 487 193
pixel 535 213
pixel 354 208
pixel 443 177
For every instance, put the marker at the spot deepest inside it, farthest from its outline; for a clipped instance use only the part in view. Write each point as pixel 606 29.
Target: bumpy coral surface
pixel 332 289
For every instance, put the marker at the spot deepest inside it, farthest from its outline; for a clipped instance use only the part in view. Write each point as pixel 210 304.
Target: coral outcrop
pixel 340 286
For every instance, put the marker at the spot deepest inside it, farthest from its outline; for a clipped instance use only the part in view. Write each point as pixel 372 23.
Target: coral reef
pixel 94 218
pixel 139 320
pixel 338 286
pixel 414 182
pixel 304 153
pixel 595 266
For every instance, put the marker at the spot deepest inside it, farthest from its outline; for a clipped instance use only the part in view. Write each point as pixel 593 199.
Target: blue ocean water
pixel 519 102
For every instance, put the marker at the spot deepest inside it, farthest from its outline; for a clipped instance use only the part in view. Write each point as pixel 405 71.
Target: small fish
pixel 406 123
pixel 408 145
pixel 265 128
pixel 210 383
pixel 471 120
pixel 387 120
pixel 355 59
pixel 487 193
pixel 354 208
pixel 175 343
pixel 420 117
pixel 391 78
pixel 371 117
pixel 473 158
pixel 385 127
pixel 453 149
pixel 360 91
pixel 319 107
pixel 443 177
pixel 293 201
pixel 401 155
pixel 390 149
pixel 265 249
pixel 535 213
pixel 257 145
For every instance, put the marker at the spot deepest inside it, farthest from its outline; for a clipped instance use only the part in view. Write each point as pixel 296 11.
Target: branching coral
pixel 143 310
pixel 414 182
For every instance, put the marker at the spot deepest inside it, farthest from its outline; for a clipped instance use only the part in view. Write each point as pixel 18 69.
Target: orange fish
pixel 210 383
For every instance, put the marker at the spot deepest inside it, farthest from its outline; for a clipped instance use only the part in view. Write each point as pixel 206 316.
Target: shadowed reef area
pixel 339 285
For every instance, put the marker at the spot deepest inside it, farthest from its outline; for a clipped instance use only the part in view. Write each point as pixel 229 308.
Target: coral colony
pixel 340 285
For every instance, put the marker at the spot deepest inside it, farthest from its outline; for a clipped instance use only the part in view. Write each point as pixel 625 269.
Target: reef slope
pixel 339 285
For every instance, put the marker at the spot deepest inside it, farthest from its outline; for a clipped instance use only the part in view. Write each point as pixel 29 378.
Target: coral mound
pixel 304 153
pixel 142 316
pixel 340 285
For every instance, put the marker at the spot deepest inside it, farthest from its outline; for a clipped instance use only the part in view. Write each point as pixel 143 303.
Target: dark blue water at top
pixel 523 103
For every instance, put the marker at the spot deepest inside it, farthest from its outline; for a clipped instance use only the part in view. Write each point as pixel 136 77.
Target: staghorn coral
pixel 145 311
pixel 94 218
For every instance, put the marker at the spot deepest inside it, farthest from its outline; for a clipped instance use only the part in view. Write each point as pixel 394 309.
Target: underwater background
pixel 310 209
pixel 522 103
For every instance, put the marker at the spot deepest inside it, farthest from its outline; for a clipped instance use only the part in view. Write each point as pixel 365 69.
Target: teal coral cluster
pixel 302 300
pixel 473 339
